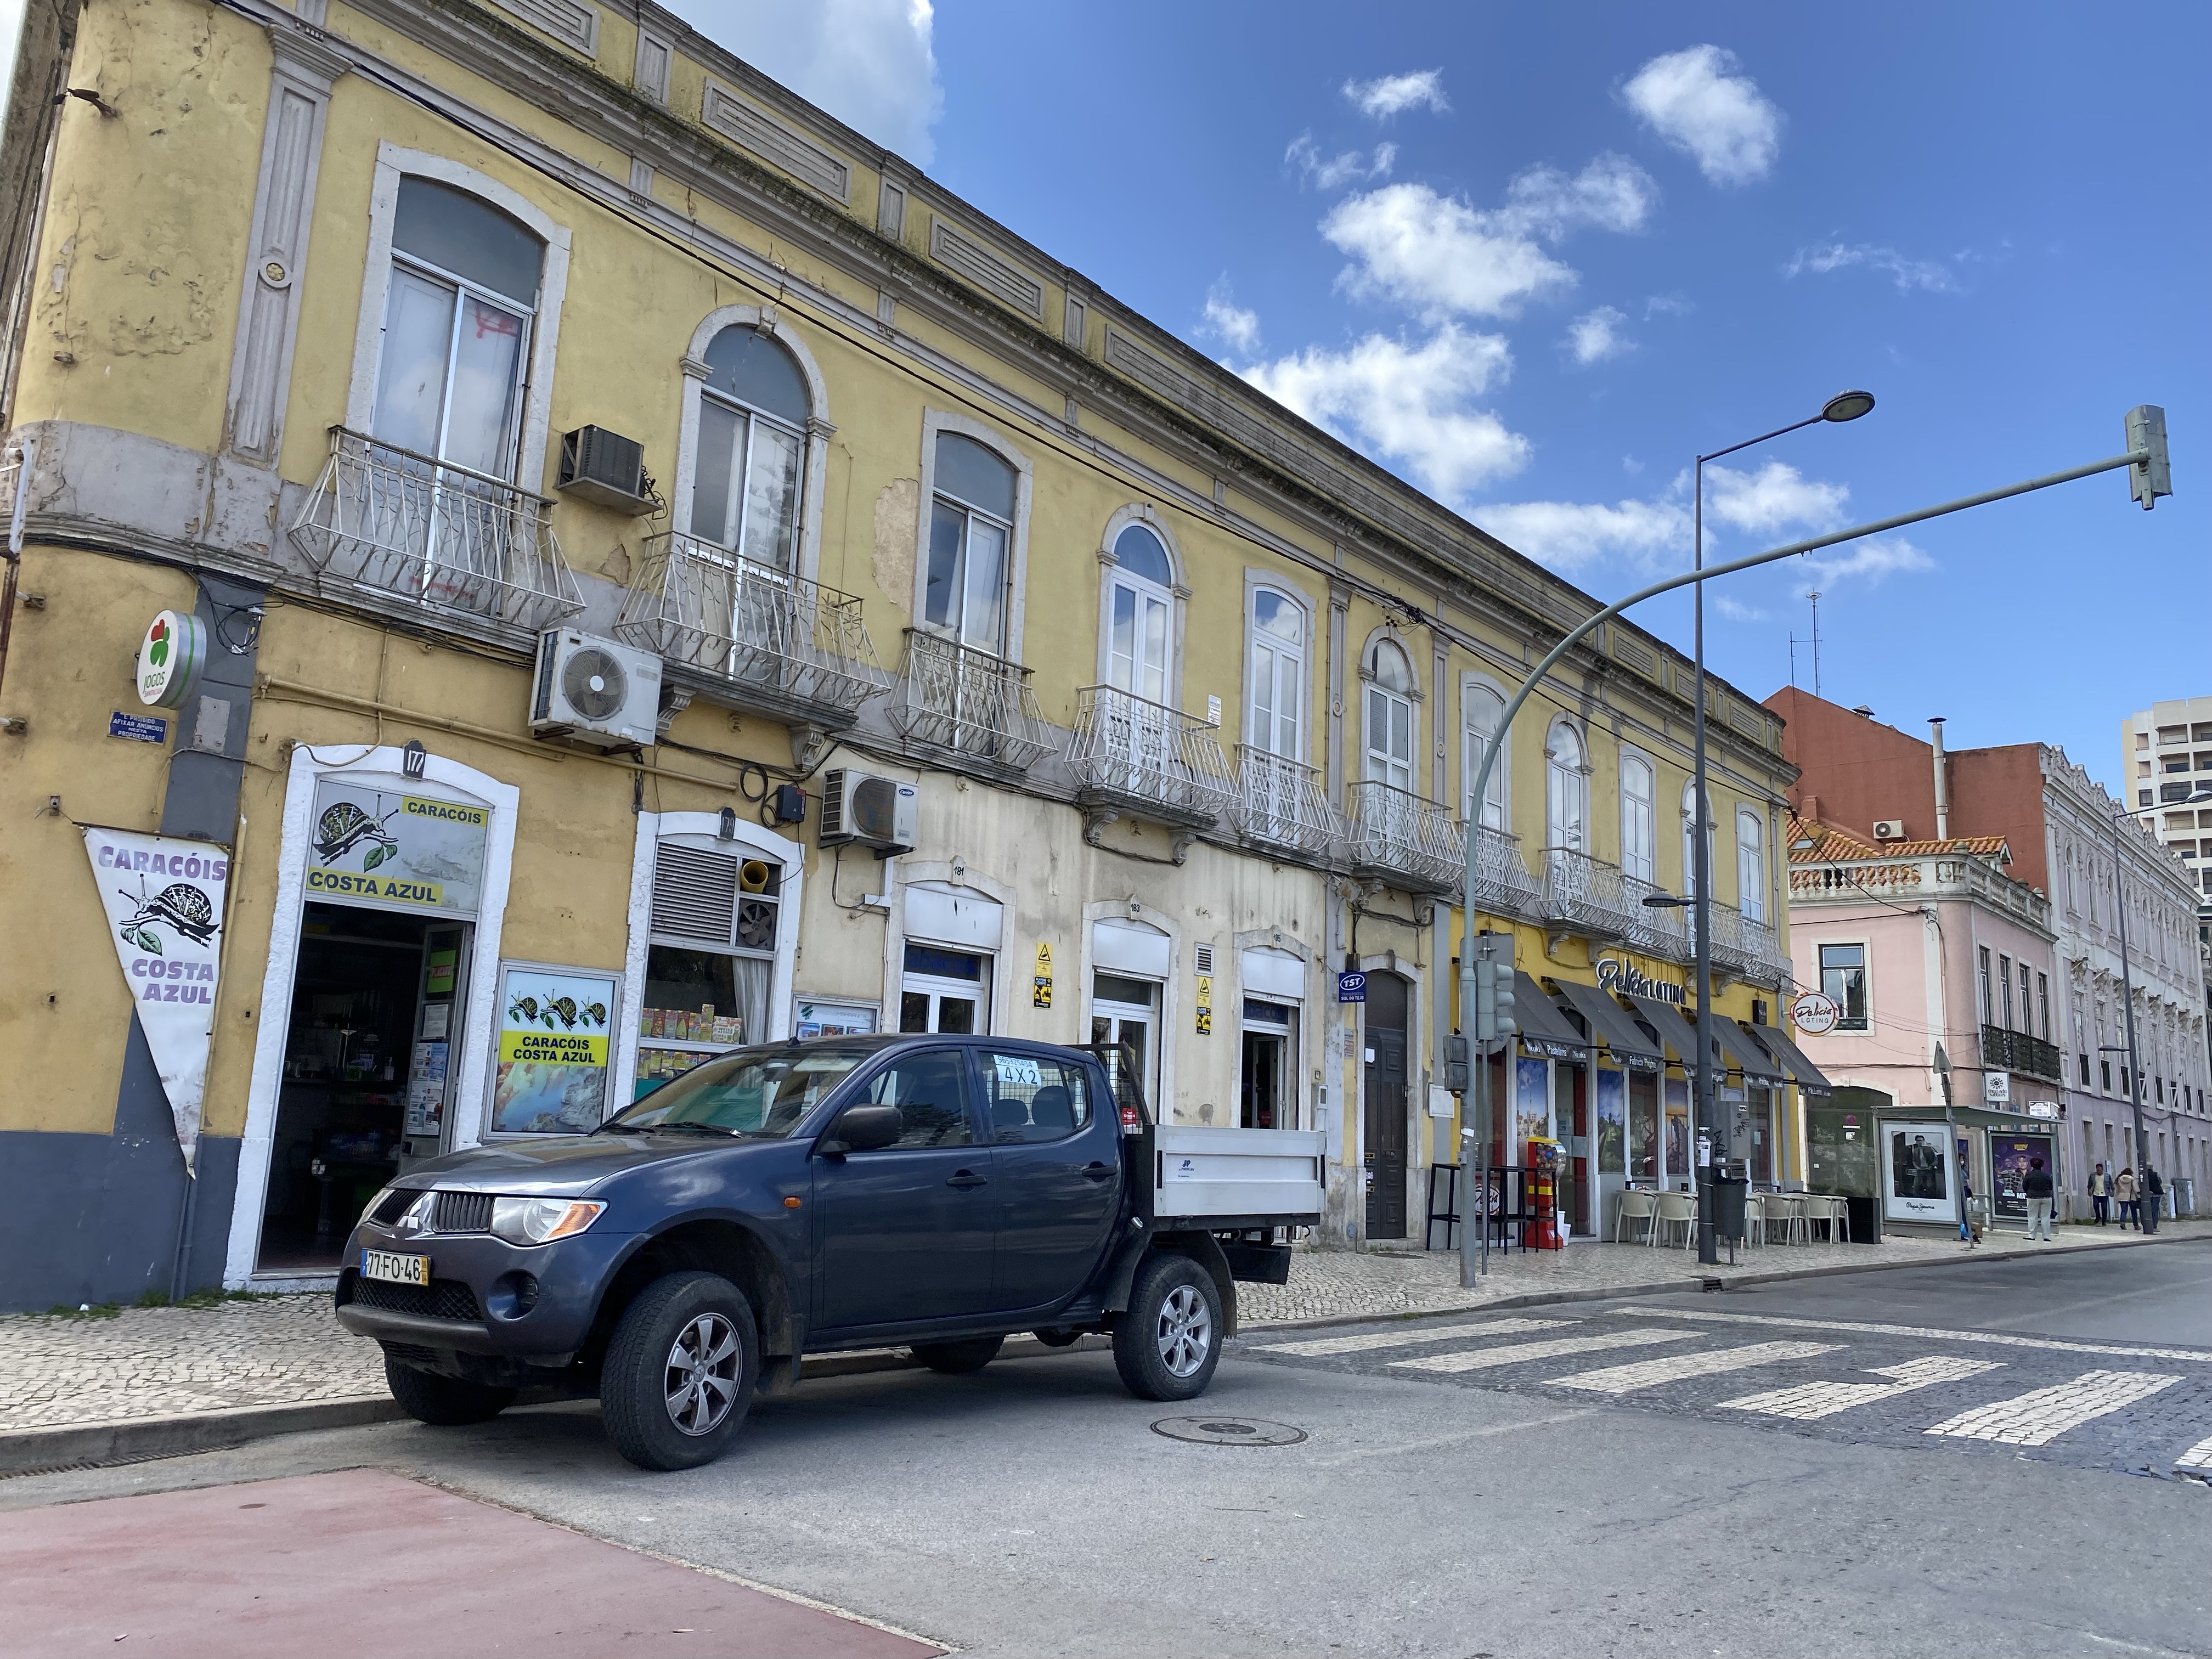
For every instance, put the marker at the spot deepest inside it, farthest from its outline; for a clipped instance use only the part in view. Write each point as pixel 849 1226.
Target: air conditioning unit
pixel 1889 830
pixel 607 468
pixel 860 809
pixel 594 691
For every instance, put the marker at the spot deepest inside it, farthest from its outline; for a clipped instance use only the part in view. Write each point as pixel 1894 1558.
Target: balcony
pixel 428 534
pixel 2016 1051
pixel 1404 839
pixel 1502 885
pixel 788 648
pixel 967 706
pixel 1131 754
pixel 1656 931
pixel 1280 804
pixel 1585 898
pixel 1744 947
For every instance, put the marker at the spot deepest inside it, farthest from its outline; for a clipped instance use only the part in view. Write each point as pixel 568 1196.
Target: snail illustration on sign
pixel 595 1013
pixel 522 1008
pixel 343 827
pixel 562 1008
pixel 180 905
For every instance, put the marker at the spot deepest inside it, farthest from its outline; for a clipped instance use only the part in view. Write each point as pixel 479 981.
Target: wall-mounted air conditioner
pixel 861 809
pixel 594 691
pixel 607 468
pixel 1889 828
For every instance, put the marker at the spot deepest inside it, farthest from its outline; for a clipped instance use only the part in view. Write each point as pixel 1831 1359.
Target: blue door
pixel 1058 1152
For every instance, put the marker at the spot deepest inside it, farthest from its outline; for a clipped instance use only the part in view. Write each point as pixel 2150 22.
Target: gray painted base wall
pixel 94 1217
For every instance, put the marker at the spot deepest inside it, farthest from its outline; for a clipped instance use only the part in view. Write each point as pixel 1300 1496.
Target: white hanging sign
pixel 163 898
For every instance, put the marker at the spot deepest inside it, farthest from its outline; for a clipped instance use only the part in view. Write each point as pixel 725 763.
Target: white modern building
pixel 2165 755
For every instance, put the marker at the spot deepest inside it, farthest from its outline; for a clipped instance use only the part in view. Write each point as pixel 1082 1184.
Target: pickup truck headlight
pixel 542 1220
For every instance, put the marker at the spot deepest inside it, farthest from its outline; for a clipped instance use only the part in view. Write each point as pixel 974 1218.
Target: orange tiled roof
pixel 1832 845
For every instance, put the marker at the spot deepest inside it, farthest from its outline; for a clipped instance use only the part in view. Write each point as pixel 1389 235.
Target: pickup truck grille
pixel 394 1204
pixel 442 1298
pixel 461 1213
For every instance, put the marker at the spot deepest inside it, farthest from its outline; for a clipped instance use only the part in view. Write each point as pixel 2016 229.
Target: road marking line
pixel 1679 1367
pixel 1329 1345
pixel 2200 1356
pixel 1481 1359
pixel 1812 1400
pixel 2038 1418
pixel 1525 1423
pixel 2196 1461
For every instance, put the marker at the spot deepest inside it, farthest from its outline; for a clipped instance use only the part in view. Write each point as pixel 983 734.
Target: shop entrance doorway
pixel 1124 1011
pixel 1385 1106
pixel 372 1053
pixel 1264 1073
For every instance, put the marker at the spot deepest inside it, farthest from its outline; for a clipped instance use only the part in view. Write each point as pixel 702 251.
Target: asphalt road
pixel 1744 1473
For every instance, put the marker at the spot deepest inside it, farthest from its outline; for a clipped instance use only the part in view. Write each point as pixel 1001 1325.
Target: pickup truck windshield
pixel 758 1092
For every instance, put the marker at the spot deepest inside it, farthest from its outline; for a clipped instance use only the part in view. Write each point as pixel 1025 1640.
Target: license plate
pixel 395 1268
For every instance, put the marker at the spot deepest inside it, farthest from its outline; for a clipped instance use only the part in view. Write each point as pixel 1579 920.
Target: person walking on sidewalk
pixel 2124 1191
pixel 2100 1194
pixel 2152 1211
pixel 2037 1186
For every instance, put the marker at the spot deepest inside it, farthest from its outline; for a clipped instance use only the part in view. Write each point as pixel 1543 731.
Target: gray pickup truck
pixel 936 1193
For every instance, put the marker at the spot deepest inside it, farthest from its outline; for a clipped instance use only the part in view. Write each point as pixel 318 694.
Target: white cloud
pixel 1236 326
pixel 1776 497
pixel 1695 101
pixel 1568 534
pixel 1929 276
pixel 1407 404
pixel 1596 335
pixel 1441 256
pixel 1871 563
pixel 869 63
pixel 1736 610
pixel 1347 167
pixel 1393 95
pixel 1667 305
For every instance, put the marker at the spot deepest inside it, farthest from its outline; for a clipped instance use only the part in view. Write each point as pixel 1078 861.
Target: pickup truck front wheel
pixel 1167 1345
pixel 679 1371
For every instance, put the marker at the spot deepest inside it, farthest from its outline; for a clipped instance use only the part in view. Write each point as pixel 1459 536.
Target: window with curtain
pixel 1481 710
pixel 711 954
pixel 1139 611
pixel 1390 717
pixel 1275 709
pixel 971 529
pixel 1638 852
pixel 752 442
pixel 457 326
pixel 1563 794
pixel 1750 864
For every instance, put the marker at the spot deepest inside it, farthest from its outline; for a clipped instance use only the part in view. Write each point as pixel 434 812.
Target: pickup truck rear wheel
pixel 1167 1345
pixel 443 1402
pixel 679 1371
pixel 958 1359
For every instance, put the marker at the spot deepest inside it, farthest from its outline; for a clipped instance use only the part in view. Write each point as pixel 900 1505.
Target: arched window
pixel 1750 864
pixel 1390 716
pixel 1480 708
pixel 1689 845
pixel 1139 608
pixel 1637 841
pixel 457 321
pixel 971 526
pixel 1275 706
pixel 1563 818
pixel 753 407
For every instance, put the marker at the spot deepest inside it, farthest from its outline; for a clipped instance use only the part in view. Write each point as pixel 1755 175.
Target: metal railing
pixel 1503 884
pixel 2016 1051
pixel 1581 893
pixel 791 642
pixel 1280 802
pixel 962 702
pixel 1148 756
pixel 1404 839
pixel 1658 931
pixel 415 528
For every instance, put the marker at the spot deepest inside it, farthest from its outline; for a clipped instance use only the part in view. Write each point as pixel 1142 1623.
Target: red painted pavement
pixel 362 1562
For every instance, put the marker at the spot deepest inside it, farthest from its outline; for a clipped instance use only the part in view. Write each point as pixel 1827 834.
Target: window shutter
pixel 694 894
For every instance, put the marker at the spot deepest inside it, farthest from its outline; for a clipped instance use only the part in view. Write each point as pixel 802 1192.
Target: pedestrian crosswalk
pixel 1480 1360
pixel 1411 1336
pixel 1681 1367
pixel 1810 1402
pixel 2038 1418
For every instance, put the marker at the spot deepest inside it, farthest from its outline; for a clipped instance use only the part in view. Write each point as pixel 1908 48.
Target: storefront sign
pixel 834 1019
pixel 551 1075
pixel 1352 987
pixel 2042 1109
pixel 379 848
pixel 1814 1015
pixel 163 899
pixel 1619 974
pixel 1997 1088
pixel 170 659
pixel 1916 1177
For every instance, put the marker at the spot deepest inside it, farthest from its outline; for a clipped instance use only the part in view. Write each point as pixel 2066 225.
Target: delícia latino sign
pixel 1619 974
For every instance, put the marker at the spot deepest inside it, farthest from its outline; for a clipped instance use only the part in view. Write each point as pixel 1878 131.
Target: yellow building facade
pixel 647 570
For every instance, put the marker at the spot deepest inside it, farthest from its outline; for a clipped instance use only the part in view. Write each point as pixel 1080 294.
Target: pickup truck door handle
pixel 1095 1171
pixel 966 1179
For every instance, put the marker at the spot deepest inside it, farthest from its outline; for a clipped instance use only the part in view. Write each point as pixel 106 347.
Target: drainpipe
pixel 1943 779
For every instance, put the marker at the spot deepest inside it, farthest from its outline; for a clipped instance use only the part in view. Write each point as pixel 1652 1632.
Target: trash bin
pixel 2184 1189
pixel 1729 1192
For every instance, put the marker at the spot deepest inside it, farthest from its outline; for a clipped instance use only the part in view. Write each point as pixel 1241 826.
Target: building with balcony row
pixel 538 556
pixel 2165 757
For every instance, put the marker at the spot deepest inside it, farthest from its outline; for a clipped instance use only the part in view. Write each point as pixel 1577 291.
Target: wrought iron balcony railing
pixel 1280 802
pixel 2016 1051
pixel 1503 884
pixel 1129 751
pixel 1661 930
pixel 1404 839
pixel 968 705
pixel 414 528
pixel 1733 950
pixel 1585 895
pixel 785 645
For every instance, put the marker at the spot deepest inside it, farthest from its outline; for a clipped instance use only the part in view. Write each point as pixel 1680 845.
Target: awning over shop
pixel 1742 1053
pixel 1665 1018
pixel 1612 1024
pixel 1544 1029
pixel 1806 1074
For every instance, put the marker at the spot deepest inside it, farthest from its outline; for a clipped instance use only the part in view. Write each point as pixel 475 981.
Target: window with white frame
pixel 1689 841
pixel 1842 982
pixel 1638 852
pixel 971 526
pixel 1481 708
pixel 1564 819
pixel 1275 706
pixel 1139 615
pixel 1390 722
pixel 753 407
pixel 1750 864
pixel 457 322
pixel 713 936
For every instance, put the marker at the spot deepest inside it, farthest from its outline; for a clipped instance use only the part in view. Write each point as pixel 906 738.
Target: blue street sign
pixel 1352 987
pixel 139 729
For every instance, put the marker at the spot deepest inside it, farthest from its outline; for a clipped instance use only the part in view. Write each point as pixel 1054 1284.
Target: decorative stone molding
pixel 569 21
pixel 785 147
pixel 987 269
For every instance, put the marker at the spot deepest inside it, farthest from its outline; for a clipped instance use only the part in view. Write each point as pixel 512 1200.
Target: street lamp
pixel 1843 406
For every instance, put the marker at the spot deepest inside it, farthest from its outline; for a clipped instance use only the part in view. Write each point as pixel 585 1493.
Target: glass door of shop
pixel 1125 1011
pixel 427 1126
pixel 945 991
pixel 1267 1074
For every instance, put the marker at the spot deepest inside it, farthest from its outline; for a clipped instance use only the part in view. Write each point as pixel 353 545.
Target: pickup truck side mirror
pixel 862 1129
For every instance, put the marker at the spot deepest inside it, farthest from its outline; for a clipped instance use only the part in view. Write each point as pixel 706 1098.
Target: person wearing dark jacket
pixel 2037 1186
pixel 2154 1200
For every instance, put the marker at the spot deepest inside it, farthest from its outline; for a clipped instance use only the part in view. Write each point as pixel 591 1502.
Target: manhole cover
pixel 1228 1431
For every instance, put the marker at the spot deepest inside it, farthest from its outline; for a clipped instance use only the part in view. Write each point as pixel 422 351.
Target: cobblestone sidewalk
pixel 143 1363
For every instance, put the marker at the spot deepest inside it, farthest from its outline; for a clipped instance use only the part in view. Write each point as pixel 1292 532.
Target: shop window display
pixel 709 962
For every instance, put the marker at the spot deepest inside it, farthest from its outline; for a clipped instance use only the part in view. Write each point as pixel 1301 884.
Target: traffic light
pixel 1503 1024
pixel 1485 1003
pixel 2151 478
pixel 1455 1064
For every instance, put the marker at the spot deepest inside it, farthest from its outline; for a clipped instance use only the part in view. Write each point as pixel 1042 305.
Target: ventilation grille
pixel 1202 958
pixel 694 894
pixel 461 1213
pixel 441 1298
pixel 392 1206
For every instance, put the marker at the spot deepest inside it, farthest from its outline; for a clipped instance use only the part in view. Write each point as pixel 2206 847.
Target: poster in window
pixel 815 1020
pixel 1915 1175
pixel 1532 1104
pixel 551 1075
pixel 1611 1122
